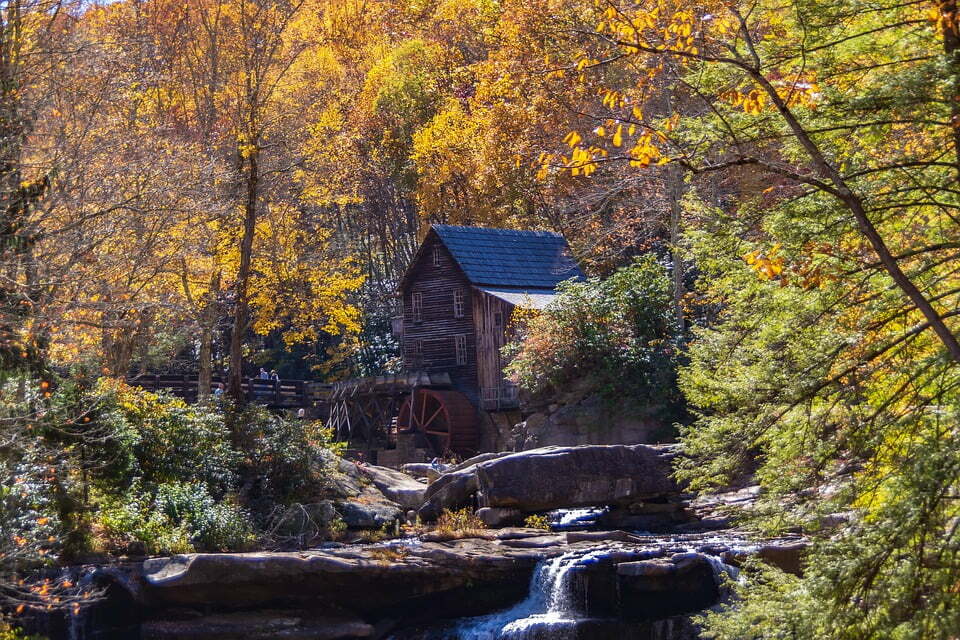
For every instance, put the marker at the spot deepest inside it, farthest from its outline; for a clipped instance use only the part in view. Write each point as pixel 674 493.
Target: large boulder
pixel 396 486
pixel 357 496
pixel 452 490
pixel 258 625
pixel 650 589
pixel 564 477
pixel 368 512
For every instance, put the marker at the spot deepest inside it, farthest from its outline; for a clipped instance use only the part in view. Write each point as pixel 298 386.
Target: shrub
pixel 618 336
pixel 462 523
pixel 161 439
pixel 284 460
pixel 178 518
pixel 213 526
pixel 127 470
pixel 8 632
pixel 132 525
pixel 536 521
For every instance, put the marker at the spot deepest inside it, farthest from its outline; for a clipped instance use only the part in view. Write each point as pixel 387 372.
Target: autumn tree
pixel 829 260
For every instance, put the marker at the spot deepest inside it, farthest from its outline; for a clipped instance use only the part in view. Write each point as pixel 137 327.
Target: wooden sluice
pixel 364 410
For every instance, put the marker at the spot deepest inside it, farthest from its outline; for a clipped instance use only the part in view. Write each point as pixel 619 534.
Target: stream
pixel 549 610
pixel 555 606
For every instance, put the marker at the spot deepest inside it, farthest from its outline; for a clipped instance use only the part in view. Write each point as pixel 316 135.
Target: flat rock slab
pixel 359 579
pixel 258 625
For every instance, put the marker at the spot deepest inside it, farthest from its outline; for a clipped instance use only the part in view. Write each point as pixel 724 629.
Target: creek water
pixel 549 610
pixel 552 610
pixel 569 519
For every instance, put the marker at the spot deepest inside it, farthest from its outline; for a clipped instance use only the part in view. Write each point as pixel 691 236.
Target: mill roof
pixel 527 260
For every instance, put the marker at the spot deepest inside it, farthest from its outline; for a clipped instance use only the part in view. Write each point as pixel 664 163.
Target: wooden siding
pixel 438 327
pixel 491 337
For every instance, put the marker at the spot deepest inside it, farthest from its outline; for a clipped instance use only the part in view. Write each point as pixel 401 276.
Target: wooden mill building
pixel 458 295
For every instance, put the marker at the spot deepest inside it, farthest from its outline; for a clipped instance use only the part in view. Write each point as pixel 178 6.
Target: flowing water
pixel 552 609
pixel 567 519
pixel 549 611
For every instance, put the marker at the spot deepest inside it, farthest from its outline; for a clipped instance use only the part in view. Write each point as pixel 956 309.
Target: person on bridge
pixel 274 376
pixel 263 375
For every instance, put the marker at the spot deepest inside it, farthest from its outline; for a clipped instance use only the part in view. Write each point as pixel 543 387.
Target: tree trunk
pixel 205 375
pixel 676 190
pixel 951 46
pixel 848 197
pixel 241 311
pixel 208 320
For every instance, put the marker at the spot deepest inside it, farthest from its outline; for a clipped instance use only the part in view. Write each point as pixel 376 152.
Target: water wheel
pixel 446 420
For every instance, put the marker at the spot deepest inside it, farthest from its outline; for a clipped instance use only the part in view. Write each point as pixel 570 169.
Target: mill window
pixel 458 303
pixel 436 256
pixel 460 342
pixel 416 304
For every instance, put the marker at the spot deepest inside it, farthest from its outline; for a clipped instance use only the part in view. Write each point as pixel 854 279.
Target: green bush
pixel 177 518
pixel 160 439
pixel 616 336
pixel 8 632
pixel 133 525
pixel 284 460
pixel 213 526
pixel 139 472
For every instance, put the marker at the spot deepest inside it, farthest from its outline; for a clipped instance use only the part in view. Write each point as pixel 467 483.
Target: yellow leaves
pixel 752 102
pixel 644 152
pixel 582 162
pixel 572 139
pixel 767 264
pixel 300 285
pixel 611 98
pixel 618 137
pixel 246 149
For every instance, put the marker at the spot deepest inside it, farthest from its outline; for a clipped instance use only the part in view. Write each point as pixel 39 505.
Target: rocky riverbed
pixel 514 579
pixel 499 583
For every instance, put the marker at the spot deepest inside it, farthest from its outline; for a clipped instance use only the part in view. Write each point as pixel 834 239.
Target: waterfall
pixel 548 610
pixel 564 519
pixel 722 572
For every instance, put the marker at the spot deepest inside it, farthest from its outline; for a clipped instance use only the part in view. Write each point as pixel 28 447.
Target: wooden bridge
pixel 276 394
pixel 369 413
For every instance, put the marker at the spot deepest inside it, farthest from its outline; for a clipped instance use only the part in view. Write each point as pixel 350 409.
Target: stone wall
pixel 587 420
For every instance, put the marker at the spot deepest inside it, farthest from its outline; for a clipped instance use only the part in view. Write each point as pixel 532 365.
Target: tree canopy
pixel 217 185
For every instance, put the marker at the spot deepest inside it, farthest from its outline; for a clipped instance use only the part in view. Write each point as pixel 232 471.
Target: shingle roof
pixel 509 258
pixel 525 297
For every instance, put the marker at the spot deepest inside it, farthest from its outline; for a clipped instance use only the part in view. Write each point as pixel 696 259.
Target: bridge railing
pixel 277 393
